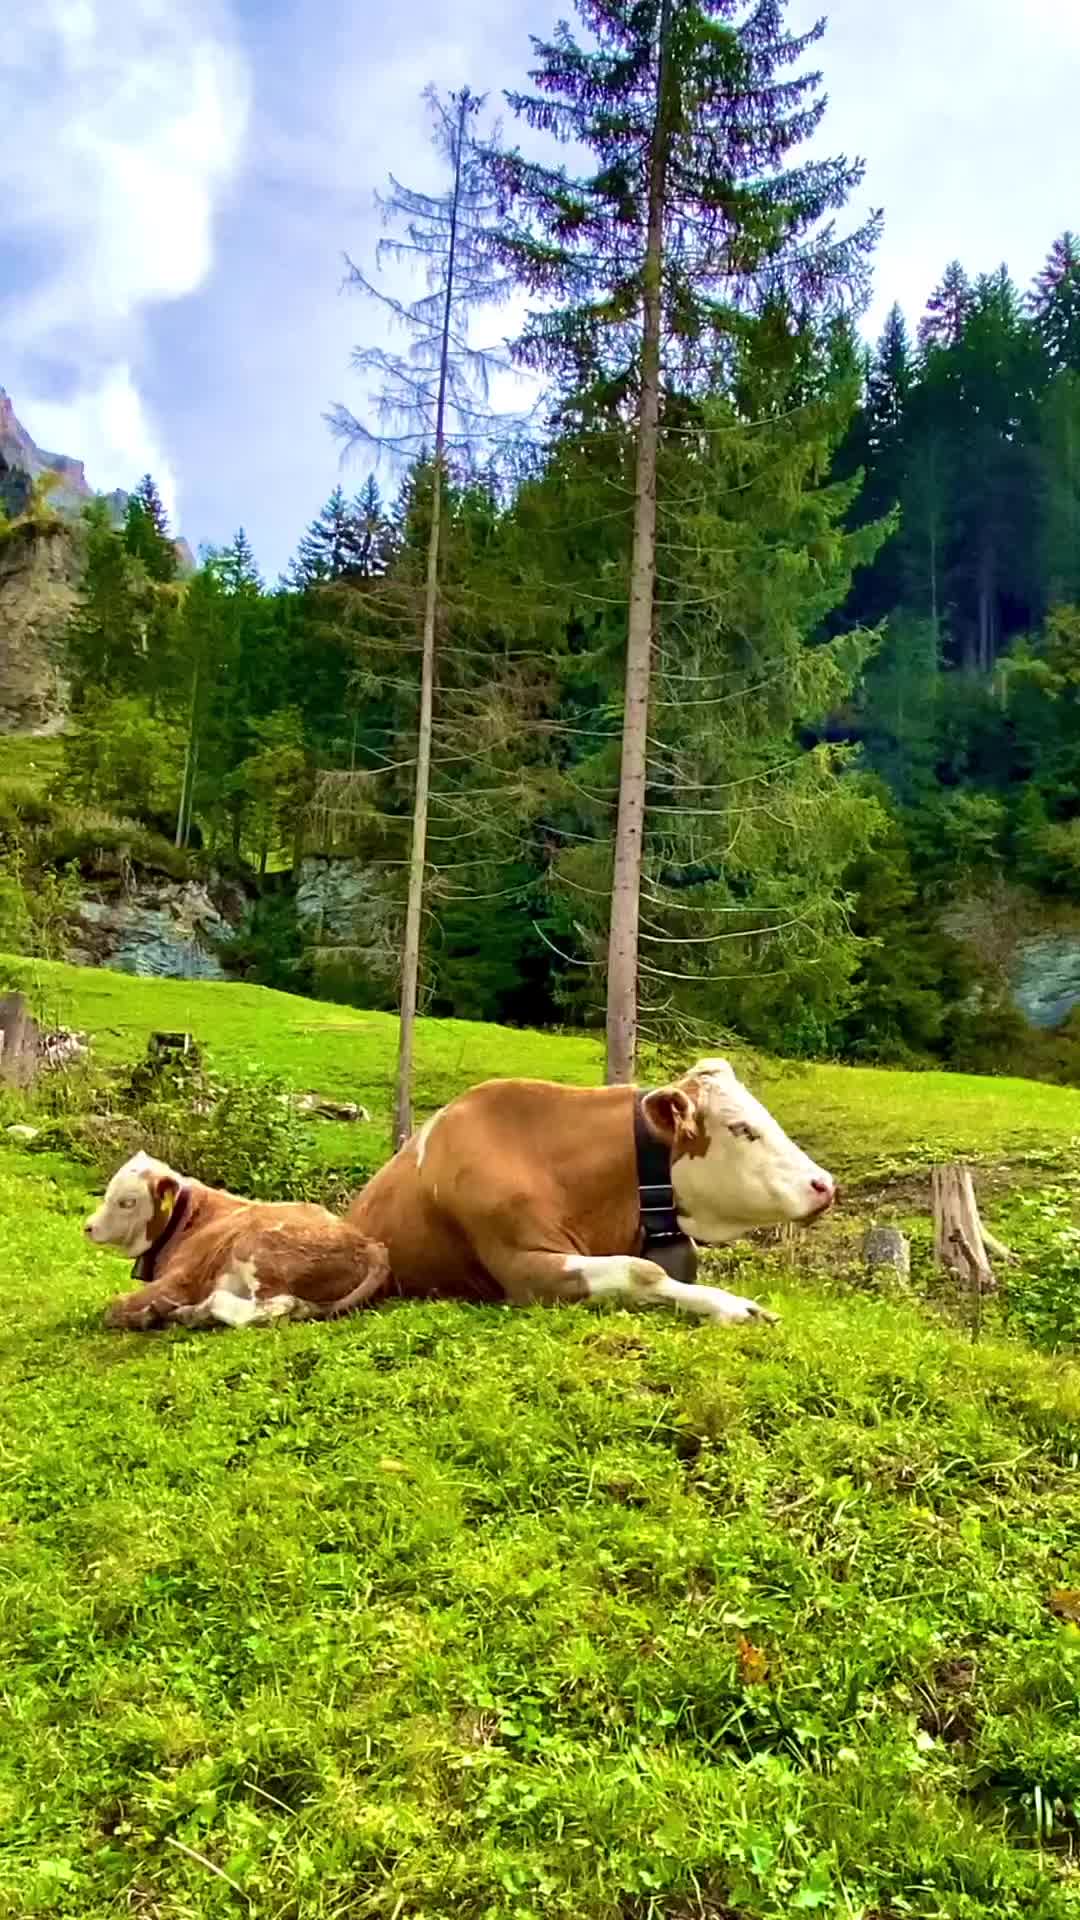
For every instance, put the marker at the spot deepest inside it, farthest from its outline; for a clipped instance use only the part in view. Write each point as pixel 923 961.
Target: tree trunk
pixel 192 776
pixel 622 981
pixel 986 609
pixel 960 1245
pixel 410 958
pixel 181 826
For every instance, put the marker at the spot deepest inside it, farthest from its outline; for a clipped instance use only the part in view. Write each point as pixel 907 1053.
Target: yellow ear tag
pixel 167 1204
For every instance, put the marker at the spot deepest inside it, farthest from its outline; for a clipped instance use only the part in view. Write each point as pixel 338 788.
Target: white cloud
pixel 124 126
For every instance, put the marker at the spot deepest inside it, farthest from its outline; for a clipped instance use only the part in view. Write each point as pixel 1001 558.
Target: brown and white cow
pixel 204 1256
pixel 524 1191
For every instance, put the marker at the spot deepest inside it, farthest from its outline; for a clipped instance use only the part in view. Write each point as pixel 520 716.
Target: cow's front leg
pixel 151 1306
pixel 530 1277
pixel 644 1283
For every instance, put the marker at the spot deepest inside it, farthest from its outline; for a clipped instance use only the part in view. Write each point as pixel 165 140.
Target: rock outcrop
pixel 172 929
pixel 22 462
pixel 40 567
pixel 39 573
pixel 346 921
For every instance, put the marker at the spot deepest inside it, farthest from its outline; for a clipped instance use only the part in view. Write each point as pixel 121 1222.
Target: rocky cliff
pixel 22 462
pixel 40 567
pixel 39 573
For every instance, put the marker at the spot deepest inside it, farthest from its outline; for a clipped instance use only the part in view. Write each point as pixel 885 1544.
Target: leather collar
pixel 662 1238
pixel 143 1270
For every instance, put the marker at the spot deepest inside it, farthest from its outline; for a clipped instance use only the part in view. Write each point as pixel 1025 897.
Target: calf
pixel 206 1256
pixel 523 1191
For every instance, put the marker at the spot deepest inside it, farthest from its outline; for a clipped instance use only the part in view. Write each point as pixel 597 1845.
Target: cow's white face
pixel 733 1167
pixel 135 1211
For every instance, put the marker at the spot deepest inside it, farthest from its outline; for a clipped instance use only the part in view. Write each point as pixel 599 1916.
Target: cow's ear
pixel 669 1111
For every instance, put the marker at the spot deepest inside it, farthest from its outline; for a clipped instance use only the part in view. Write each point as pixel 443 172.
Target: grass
pixel 29 761
pixel 861 1121
pixel 575 1615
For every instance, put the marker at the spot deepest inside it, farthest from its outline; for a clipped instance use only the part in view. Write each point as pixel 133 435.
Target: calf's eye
pixel 741 1131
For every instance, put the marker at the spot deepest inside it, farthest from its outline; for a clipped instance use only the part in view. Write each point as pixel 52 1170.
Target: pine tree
pixel 372 534
pixel 647 266
pixel 431 398
pixel 146 531
pixel 889 384
pixel 947 310
pixel 1055 304
pixel 327 551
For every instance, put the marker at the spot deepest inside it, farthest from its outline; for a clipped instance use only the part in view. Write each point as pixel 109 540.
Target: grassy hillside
pixel 860 1120
pixel 584 1614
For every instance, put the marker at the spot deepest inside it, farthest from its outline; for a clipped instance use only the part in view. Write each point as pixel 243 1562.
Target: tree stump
pixel 888 1258
pixel 960 1244
pixel 19 1041
pixel 166 1046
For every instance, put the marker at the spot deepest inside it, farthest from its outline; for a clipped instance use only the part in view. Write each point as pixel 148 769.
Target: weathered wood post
pixel 962 1244
pixel 19 1041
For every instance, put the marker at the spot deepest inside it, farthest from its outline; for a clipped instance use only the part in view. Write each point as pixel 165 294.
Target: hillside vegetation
pixel 587 1613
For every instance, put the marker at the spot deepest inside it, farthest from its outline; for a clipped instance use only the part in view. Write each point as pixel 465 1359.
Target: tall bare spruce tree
pixel 430 402
pixel 651 264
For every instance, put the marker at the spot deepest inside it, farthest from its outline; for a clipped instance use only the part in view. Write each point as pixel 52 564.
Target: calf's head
pixel 137 1207
pixel 733 1167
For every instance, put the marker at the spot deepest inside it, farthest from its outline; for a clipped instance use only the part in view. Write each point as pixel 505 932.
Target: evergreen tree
pixel 372 532
pixel 433 397
pixel 888 388
pixel 947 310
pixel 107 635
pixel 1055 304
pixel 329 549
pixel 685 221
pixel 1058 453
pixel 146 531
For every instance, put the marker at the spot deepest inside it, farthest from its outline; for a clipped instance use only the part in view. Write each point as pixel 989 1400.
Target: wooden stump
pixel 19 1041
pixel 166 1046
pixel 961 1244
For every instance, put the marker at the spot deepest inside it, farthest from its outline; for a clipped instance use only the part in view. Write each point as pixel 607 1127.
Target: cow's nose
pixel 822 1184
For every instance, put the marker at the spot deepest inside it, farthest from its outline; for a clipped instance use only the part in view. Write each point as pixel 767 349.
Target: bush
pixel 36 909
pixel 243 1134
pixel 102 844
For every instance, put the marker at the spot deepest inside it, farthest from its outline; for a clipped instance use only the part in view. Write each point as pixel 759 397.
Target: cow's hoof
pixel 733 1310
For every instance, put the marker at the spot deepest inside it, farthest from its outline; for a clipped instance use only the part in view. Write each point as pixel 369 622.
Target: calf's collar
pixel 143 1270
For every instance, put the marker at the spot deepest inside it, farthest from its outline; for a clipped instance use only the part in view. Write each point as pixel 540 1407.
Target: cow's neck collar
pixel 143 1270
pixel 662 1238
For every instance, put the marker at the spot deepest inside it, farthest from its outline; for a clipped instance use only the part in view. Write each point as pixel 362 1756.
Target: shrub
pixel 36 910
pixel 241 1134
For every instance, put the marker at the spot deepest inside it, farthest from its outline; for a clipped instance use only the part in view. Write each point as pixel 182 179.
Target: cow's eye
pixel 741 1131
pixel 126 1204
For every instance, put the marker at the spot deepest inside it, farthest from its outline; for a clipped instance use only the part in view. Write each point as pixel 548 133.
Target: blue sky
pixel 182 177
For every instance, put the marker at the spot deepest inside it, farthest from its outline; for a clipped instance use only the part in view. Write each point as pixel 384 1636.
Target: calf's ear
pixel 164 1188
pixel 669 1111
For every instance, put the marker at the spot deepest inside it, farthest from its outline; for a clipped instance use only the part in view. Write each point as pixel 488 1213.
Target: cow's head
pixel 733 1167
pixel 137 1207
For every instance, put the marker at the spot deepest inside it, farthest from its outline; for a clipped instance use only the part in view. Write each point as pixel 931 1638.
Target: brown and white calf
pixel 204 1256
pixel 524 1191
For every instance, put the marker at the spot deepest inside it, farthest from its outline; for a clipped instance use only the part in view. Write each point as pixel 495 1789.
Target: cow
pixel 521 1191
pixel 203 1256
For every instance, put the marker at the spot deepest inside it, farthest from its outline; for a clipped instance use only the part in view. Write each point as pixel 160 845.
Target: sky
pixel 183 177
